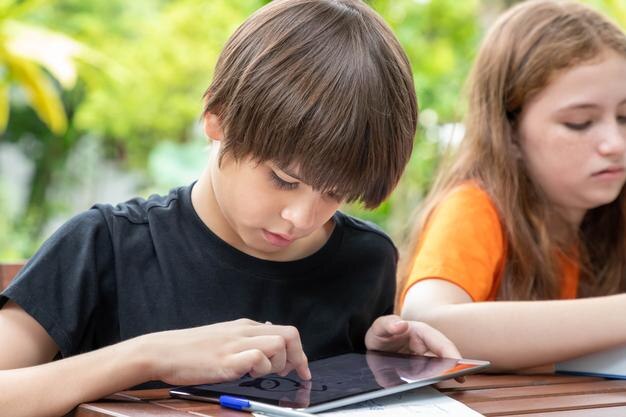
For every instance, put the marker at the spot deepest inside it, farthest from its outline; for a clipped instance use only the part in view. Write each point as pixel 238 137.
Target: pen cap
pixel 234 403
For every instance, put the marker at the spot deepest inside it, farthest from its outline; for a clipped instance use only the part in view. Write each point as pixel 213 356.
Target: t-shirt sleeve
pixel 462 243
pixel 63 285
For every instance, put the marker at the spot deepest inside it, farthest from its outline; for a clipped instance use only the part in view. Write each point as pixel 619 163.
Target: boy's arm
pixel 219 352
pixel 25 342
pixel 518 334
pixel 29 386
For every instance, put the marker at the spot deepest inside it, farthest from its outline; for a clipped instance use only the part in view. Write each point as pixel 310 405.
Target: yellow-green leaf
pixel 43 97
pixel 620 11
pixel 4 106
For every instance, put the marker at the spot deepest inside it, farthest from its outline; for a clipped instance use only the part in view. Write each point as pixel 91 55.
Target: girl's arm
pixel 31 385
pixel 518 334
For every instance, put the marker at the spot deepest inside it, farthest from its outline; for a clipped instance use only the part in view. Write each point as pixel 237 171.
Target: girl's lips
pixel 277 239
pixel 609 173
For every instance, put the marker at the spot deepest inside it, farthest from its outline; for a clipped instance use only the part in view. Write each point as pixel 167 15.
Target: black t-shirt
pixel 113 273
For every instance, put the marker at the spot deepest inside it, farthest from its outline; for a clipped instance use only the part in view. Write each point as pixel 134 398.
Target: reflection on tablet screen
pixel 335 378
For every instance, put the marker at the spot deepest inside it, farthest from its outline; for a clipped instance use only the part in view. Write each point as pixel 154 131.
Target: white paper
pixel 421 402
pixel 609 363
pixel 424 402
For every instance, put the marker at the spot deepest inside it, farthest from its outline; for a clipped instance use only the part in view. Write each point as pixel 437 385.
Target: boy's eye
pixel 578 126
pixel 281 183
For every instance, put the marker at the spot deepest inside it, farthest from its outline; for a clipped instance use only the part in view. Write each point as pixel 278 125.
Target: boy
pixel 312 104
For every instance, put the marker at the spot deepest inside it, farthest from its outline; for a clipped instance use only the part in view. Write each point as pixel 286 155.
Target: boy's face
pixel 261 209
pixel 268 211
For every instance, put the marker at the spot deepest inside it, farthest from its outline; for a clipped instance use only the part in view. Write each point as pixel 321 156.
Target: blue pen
pixel 237 403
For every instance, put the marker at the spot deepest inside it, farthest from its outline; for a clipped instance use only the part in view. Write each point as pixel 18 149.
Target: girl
pixel 520 255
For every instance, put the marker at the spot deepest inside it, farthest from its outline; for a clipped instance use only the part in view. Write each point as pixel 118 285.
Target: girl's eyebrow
pixel 576 106
pixel 580 106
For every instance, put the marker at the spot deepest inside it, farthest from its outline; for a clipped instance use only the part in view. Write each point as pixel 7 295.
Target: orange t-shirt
pixel 463 242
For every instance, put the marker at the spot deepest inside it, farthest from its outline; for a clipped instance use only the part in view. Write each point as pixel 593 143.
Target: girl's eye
pixel 281 183
pixel 578 126
pixel 621 120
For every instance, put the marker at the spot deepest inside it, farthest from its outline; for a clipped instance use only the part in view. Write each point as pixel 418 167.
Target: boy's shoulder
pixel 138 210
pixel 364 230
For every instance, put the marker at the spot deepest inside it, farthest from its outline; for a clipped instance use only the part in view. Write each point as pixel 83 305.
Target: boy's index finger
pixel 304 372
pixel 295 353
pixel 296 358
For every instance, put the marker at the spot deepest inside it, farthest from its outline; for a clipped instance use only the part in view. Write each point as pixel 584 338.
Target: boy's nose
pixel 301 214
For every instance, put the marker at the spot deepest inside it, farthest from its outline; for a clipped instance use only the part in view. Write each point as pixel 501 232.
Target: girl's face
pixel 572 135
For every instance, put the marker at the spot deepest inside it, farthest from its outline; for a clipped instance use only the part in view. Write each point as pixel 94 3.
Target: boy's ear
pixel 213 127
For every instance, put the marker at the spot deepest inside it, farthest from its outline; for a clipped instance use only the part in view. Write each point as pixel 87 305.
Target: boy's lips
pixel 277 239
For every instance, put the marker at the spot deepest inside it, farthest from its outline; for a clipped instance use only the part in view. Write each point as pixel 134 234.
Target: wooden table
pixel 491 395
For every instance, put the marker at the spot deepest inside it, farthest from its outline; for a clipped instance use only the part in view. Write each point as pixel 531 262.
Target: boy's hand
pixel 225 351
pixel 392 334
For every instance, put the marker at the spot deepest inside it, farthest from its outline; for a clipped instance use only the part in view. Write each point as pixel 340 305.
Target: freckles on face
pixel 551 153
pixel 573 129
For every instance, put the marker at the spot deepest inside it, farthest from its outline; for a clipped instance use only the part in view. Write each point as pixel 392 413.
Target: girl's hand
pixel 392 334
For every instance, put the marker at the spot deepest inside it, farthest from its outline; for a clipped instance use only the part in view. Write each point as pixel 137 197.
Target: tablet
pixel 339 381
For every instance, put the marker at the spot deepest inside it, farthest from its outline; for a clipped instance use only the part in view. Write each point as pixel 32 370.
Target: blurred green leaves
pixel 161 60
pixel 440 38
pixel 615 9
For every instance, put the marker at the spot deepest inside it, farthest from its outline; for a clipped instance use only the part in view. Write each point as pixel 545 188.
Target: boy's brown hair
pixel 323 85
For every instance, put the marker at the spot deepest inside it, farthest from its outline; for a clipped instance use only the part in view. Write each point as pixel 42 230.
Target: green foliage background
pixel 142 74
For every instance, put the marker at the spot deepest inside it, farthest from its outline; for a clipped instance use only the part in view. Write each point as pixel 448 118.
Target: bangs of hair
pixel 323 86
pixel 551 36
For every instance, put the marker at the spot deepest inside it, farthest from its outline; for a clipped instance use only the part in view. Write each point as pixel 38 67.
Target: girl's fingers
pixel 435 341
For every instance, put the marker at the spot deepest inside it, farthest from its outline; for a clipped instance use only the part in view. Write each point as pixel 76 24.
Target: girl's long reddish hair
pixel 528 46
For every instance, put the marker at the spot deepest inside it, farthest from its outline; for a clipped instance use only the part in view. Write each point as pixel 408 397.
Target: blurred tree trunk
pixel 51 160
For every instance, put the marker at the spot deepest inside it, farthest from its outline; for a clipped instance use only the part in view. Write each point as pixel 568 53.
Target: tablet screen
pixel 337 377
